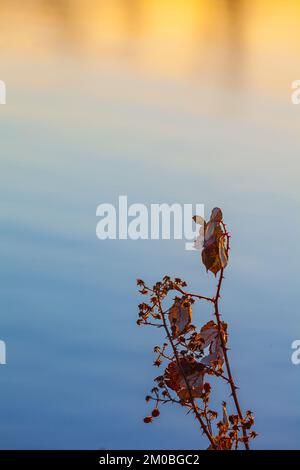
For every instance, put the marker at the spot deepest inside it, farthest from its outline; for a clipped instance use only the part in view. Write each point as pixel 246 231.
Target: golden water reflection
pixel 236 41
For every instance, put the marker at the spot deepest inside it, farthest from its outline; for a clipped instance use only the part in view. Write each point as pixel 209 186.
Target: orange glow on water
pixel 175 38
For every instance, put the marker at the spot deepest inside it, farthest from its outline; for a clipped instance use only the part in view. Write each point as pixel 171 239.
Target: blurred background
pixel 165 101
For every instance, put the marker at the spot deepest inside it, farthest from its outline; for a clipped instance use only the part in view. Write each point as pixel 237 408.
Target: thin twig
pixel 200 297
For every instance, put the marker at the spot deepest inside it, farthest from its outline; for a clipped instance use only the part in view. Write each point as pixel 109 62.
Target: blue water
pixel 87 121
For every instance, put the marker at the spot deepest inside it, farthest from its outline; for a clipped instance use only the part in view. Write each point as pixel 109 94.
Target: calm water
pixel 165 101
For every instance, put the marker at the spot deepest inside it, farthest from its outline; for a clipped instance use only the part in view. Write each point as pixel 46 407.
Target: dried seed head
pixel 148 419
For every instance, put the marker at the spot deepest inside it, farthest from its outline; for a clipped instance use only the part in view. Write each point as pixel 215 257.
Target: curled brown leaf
pixel 194 374
pixel 214 253
pixel 180 316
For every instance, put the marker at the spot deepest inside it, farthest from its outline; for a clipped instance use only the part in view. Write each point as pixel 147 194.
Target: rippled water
pixel 165 101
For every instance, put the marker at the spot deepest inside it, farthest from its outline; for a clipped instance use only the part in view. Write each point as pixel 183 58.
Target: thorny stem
pixel 208 423
pixel 188 294
pixel 200 297
pixel 157 325
pixel 192 401
pixel 166 400
pixel 224 348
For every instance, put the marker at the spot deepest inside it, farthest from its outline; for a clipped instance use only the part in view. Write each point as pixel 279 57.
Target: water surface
pixel 165 101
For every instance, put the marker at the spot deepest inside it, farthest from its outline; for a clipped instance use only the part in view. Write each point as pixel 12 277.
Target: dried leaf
pixel 210 229
pixel 216 357
pixel 223 253
pixel 198 220
pixel 211 338
pixel 225 416
pixel 209 332
pixel 194 373
pixel 214 253
pixel 199 242
pixel 216 214
pixel 180 316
